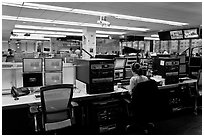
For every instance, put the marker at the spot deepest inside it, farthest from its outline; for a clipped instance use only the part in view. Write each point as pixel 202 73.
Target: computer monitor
pixel 32 65
pixel 53 64
pixel 128 73
pixel 195 61
pixel 182 68
pixel 53 78
pixel 32 79
pixel 120 63
pixel 18 57
pixel 182 59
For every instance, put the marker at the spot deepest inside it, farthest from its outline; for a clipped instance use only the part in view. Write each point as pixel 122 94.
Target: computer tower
pixel 96 74
pixel 168 68
pixel 105 116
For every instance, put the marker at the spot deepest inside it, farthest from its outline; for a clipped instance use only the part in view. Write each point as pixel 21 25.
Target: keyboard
pixel 125 87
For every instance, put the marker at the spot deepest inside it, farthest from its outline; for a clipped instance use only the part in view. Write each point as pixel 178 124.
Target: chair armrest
pixel 74 104
pixel 127 101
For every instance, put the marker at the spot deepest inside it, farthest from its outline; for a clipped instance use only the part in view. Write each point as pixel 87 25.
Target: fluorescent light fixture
pixel 46 7
pixel 94 13
pixel 65 29
pixel 28 37
pixel 47 28
pixel 51 33
pixel 102 36
pixel 150 38
pixel 155 35
pixel 70 23
pixel 174 23
pixel 40 35
pixel 109 32
pixel 14 3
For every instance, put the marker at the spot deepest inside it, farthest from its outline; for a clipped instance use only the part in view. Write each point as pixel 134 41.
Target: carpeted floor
pixel 179 124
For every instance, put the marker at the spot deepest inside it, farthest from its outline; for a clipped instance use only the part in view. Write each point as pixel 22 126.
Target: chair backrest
pixel 56 101
pixel 145 99
pixel 199 81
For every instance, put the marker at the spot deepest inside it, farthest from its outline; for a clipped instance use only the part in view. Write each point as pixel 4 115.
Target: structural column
pixel 89 42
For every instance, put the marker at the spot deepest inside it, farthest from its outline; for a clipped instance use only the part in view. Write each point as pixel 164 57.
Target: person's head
pixel 136 68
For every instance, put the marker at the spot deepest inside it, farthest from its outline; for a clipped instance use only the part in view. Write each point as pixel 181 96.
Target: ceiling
pixel 186 12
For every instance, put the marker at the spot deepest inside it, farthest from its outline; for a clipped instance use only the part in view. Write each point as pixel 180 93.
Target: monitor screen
pixel 164 35
pixel 195 61
pixel 53 78
pixel 182 59
pixel 191 33
pixel 46 49
pixel 182 68
pixel 53 64
pixel 120 63
pixel 128 73
pixel 32 79
pixel 177 34
pixel 32 65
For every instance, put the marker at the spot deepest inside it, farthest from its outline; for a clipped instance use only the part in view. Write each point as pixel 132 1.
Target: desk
pixel 20 109
pixel 8 100
pixel 8 103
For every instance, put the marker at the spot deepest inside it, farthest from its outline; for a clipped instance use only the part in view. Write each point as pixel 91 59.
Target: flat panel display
pixel 120 63
pixel 182 68
pixel 53 64
pixel 195 61
pixel 32 79
pixel 182 58
pixel 128 73
pixel 32 65
pixel 177 34
pixel 191 33
pixel 53 78
pixel 164 35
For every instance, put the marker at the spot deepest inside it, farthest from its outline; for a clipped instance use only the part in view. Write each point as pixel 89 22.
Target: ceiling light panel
pixel 65 29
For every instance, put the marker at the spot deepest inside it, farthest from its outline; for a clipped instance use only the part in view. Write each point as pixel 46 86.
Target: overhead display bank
pixel 192 33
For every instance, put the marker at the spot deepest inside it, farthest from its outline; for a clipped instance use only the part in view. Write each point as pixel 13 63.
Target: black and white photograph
pixel 101 67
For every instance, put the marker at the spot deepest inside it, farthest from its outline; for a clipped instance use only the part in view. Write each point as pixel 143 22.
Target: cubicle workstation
pixel 99 111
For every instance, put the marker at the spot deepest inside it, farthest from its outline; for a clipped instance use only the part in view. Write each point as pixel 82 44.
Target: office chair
pixel 144 107
pixel 56 107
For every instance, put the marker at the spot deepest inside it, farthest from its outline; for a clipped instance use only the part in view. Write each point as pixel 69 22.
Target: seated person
pixel 137 76
pixel 10 56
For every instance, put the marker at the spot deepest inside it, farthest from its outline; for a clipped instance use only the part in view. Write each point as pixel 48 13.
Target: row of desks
pixel 8 100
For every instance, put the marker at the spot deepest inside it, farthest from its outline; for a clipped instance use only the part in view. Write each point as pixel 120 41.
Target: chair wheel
pixel 151 125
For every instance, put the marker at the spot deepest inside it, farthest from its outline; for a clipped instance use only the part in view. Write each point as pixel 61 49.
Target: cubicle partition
pixel 12 75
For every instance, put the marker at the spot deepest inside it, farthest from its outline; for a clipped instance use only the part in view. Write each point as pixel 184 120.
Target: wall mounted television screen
pixel 32 65
pixel 53 64
pixel 191 33
pixel 164 35
pixel 177 34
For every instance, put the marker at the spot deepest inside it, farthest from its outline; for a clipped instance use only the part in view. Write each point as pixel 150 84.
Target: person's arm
pixel 132 85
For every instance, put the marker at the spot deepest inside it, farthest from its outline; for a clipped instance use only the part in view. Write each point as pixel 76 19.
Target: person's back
pixel 137 76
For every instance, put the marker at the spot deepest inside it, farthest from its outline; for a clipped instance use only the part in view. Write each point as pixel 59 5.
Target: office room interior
pixel 101 68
